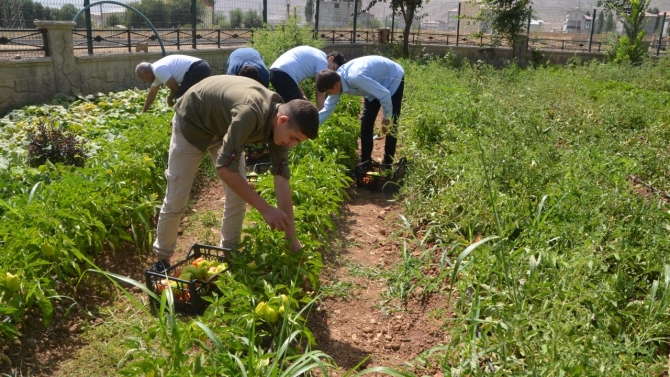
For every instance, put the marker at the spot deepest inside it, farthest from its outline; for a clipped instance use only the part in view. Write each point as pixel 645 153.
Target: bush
pixel 53 145
pixel 274 41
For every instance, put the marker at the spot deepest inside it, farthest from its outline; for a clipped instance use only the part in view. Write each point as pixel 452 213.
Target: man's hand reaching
pixel 276 219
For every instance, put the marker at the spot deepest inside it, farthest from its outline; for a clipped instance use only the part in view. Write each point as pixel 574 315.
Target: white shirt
pixel 174 66
pixel 301 62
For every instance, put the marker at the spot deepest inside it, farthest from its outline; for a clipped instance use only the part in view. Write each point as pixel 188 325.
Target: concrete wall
pixel 35 81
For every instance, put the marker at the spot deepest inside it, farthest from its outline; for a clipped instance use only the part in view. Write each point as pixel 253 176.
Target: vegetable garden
pixel 522 209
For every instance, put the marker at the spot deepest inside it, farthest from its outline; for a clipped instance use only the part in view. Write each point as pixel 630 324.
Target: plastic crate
pixel 256 153
pixel 188 295
pixel 383 177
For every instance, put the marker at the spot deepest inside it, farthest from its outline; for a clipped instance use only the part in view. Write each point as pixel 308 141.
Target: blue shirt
pixel 374 77
pixel 301 62
pixel 248 56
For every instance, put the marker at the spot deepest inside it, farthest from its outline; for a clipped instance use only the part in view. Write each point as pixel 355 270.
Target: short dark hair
pixel 303 116
pixel 338 58
pixel 326 80
pixel 251 72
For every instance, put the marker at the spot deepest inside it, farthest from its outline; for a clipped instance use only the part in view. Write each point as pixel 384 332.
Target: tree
pixel 600 23
pixel 610 24
pixel 508 20
pixel 236 18
pixel 113 20
pixel 408 10
pixel 309 10
pixel 220 20
pixel 629 48
pixel 653 10
pixel 252 19
pixel 161 13
pixel 67 13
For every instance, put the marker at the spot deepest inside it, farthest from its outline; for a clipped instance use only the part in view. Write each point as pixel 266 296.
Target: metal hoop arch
pixel 160 41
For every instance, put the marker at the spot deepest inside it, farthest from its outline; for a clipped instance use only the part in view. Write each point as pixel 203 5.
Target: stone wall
pixel 35 81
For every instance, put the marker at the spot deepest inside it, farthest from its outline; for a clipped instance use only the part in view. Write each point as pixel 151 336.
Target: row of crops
pixel 57 217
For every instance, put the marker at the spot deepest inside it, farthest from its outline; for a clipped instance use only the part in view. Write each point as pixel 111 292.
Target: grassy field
pixel 544 166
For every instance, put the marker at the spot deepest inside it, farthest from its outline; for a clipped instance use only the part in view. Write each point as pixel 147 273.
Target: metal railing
pixel 114 41
pixel 31 43
pixel 22 43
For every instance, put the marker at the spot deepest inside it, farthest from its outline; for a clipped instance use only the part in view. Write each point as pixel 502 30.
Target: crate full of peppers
pixel 191 279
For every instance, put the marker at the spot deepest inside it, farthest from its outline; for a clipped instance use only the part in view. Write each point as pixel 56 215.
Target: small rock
pixel 31 344
pixel 373 321
pixel 5 361
pixel 180 231
pixel 395 346
pixel 18 56
pixel 382 231
pixel 367 330
pixel 388 337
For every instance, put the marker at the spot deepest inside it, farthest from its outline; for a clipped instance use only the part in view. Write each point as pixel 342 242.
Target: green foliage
pixel 309 10
pixel 508 18
pixel 610 24
pixel 31 11
pixel 252 19
pixel 236 18
pixel 600 23
pixel 630 48
pixel 163 13
pixel 408 9
pixel 54 218
pixel 541 160
pixel 112 20
pixel 271 41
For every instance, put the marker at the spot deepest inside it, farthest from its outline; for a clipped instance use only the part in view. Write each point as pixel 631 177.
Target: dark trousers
pixel 196 72
pixel 370 111
pixel 284 85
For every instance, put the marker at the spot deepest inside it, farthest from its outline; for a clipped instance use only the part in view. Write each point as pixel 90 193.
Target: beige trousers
pixel 183 161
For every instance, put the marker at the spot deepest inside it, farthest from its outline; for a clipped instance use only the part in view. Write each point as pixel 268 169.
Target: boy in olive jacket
pixel 219 115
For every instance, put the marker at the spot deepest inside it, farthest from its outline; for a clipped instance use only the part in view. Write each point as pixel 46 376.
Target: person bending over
pixel 381 81
pixel 298 64
pixel 218 116
pixel 177 72
pixel 248 62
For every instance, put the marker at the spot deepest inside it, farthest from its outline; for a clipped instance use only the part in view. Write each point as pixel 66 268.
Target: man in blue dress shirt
pixel 381 81
pixel 298 64
pixel 248 62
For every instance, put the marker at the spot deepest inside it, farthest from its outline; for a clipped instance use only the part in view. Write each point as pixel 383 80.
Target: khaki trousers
pixel 183 161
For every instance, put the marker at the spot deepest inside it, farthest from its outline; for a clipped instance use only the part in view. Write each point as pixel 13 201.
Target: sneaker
pixel 161 265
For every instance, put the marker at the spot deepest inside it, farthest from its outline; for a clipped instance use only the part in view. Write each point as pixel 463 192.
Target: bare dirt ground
pixel 351 328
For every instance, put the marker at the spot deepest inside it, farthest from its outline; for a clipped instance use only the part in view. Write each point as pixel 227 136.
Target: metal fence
pixel 185 24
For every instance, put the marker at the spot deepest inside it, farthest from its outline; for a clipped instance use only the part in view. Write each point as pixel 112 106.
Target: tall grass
pixel 576 283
